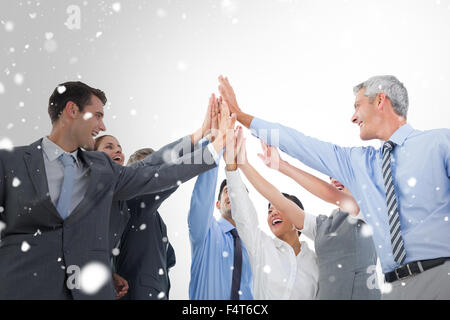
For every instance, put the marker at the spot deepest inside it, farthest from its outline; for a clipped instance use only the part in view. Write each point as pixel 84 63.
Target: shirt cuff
pixel 214 154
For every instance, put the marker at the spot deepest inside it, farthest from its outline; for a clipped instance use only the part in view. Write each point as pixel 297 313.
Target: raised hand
pixel 241 151
pixel 225 120
pixel 270 156
pixel 227 92
pixel 209 126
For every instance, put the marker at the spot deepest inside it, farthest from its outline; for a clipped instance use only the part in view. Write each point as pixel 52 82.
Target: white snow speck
pixel 18 79
pixel 37 233
pixel 445 219
pixel 61 89
pixel 133 112
pixel 240 292
pixel 2 88
pixel 437 188
pixel 366 231
pixel 161 13
pixel 59 259
pixel 184 16
pixel 157 198
pixel 32 15
pixel 25 246
pixel 2 224
pixel 142 205
pixel 98 34
pixel 179 182
pixel 16 182
pixel 161 295
pixel 50 45
pixel 6 143
pixel 9 26
pixel 2 209
pixel 116 6
pixel 339 266
pixel 93 277
pixel 412 182
pixel 182 66
pixel 164 239
pixel 87 115
pixel 403 284
pixel 156 175
pixel 142 226
pixel 115 252
pixel 49 35
pixel 267 269
pixel 225 254
pixel 160 271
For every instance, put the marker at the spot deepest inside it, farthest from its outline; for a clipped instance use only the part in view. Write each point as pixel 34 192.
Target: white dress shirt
pixel 54 170
pixel 278 274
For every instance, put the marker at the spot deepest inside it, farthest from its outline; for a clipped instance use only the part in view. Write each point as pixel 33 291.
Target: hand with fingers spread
pixel 270 156
pixel 227 92
pixel 209 123
pixel 225 124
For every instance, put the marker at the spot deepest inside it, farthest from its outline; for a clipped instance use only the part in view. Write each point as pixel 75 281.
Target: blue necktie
pixel 237 267
pixel 65 196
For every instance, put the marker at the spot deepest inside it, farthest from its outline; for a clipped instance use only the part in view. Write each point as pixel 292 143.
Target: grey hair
pixel 139 155
pixel 391 87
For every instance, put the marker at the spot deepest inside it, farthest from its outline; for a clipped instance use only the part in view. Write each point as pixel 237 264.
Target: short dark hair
pixel 293 199
pixel 222 186
pixel 98 140
pixel 75 91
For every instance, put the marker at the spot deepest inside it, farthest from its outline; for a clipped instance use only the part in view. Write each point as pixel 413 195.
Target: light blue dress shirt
pixel 212 247
pixel 421 171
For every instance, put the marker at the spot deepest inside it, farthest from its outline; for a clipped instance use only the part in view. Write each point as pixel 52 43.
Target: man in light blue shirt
pixel 212 244
pixel 419 173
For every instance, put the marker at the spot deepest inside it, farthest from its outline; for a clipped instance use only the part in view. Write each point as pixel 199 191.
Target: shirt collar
pixel 53 151
pixel 401 134
pixel 225 225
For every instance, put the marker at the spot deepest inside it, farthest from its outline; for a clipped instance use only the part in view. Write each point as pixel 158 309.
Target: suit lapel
pixel 34 161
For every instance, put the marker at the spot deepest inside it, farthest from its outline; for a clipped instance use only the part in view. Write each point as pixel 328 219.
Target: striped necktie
pixel 391 201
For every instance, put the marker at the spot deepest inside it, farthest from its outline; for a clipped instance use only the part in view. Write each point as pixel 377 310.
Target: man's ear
pixel 381 101
pixel 71 109
pixel 218 204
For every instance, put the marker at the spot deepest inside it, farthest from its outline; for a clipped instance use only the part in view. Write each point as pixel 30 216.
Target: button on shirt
pixel 278 273
pixel 420 167
pixel 55 173
pixel 212 247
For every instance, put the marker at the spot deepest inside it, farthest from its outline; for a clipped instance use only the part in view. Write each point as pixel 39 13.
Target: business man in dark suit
pixel 146 254
pixel 56 198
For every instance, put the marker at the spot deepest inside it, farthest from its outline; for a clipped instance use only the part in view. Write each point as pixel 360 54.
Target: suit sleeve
pixel 330 159
pixel 148 178
pixel 174 150
pixel 202 206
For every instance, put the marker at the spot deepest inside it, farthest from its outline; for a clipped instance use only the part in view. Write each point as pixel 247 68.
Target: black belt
pixel 413 268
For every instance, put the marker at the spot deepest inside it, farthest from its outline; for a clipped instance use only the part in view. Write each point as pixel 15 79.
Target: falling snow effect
pixel 6 143
pixel 16 182
pixel 115 252
pixel 2 225
pixel 25 246
pixel 93 277
pixel 225 254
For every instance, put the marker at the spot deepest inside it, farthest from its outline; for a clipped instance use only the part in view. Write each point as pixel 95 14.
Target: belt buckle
pixel 408 275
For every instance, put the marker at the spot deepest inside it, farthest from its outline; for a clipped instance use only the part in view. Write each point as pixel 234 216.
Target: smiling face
pixel 278 223
pixel 366 116
pixel 112 148
pixel 88 123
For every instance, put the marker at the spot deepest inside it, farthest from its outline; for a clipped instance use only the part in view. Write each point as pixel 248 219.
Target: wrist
pixel 231 167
